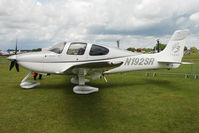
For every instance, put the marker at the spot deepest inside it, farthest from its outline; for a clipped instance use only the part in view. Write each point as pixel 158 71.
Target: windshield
pixel 58 48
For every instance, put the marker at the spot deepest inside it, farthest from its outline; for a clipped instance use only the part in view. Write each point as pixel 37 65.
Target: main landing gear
pixel 81 88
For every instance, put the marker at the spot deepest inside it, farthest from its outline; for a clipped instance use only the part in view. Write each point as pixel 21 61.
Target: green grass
pixel 129 102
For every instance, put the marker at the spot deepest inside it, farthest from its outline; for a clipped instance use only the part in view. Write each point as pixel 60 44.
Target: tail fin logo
pixel 176 48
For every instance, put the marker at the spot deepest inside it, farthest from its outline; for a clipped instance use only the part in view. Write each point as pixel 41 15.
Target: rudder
pixel 174 50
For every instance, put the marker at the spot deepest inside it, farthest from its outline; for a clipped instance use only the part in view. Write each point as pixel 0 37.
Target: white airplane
pixel 84 59
pixel 4 53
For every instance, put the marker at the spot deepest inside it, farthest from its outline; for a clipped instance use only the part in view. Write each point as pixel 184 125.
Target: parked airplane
pixel 9 51
pixel 4 53
pixel 84 59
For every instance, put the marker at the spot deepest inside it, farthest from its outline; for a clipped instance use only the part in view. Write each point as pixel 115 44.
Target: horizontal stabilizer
pixel 187 63
pixel 172 62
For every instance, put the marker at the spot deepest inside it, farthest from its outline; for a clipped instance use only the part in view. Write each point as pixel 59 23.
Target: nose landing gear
pixel 28 84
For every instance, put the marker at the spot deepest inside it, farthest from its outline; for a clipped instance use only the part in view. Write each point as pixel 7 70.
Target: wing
pixel 92 66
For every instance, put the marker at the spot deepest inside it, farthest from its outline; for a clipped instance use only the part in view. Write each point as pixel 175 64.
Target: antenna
pixel 118 43
pixel 158 45
pixel 16 47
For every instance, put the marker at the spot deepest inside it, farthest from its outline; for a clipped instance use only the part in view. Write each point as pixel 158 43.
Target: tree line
pixel 161 47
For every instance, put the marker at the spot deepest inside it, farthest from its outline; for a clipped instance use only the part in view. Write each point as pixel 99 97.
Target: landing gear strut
pixel 81 88
pixel 28 84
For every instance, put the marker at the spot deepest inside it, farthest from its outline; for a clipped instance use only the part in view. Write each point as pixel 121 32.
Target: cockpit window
pixel 58 48
pixel 77 49
pixel 97 50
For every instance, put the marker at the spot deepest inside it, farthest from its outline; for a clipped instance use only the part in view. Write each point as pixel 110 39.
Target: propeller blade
pixel 17 66
pixel 13 60
pixel 12 64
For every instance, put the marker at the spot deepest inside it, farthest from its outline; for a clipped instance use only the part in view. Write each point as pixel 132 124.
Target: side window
pixel 97 50
pixel 76 49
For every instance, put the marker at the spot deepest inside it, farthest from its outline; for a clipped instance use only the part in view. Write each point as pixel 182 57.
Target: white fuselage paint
pixel 139 62
pixel 57 64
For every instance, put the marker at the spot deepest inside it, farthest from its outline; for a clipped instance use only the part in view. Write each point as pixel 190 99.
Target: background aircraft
pixel 84 59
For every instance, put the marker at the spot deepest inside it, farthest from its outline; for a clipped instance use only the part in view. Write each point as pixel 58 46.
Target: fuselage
pixel 56 61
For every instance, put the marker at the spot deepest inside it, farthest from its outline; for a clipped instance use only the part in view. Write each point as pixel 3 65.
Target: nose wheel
pixel 28 84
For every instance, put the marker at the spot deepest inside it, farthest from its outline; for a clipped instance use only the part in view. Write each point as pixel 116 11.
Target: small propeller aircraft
pixel 84 59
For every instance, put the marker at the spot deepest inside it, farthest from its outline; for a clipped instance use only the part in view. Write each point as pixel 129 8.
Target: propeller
pixel 14 61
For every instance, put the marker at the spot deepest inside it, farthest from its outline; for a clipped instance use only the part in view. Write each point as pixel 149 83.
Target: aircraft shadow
pixel 67 85
pixel 90 112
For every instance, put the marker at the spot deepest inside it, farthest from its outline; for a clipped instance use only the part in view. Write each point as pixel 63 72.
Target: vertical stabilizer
pixel 174 50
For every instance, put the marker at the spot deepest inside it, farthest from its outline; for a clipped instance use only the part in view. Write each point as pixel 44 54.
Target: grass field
pixel 129 102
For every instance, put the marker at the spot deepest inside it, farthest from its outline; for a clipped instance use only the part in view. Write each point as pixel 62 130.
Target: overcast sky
pixel 136 23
